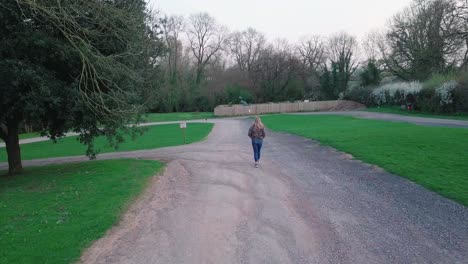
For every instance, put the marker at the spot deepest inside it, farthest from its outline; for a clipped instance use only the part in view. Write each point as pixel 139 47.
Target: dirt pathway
pixel 305 204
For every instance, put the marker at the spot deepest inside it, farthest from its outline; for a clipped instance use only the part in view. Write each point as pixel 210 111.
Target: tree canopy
pixel 80 66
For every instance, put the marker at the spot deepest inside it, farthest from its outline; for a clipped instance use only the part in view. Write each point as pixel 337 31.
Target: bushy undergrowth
pixel 440 94
pixel 396 93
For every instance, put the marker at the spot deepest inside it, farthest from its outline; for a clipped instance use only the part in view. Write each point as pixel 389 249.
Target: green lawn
pixel 398 110
pixel 163 117
pixel 154 117
pixel 434 157
pixel 29 135
pixel 51 214
pixel 156 137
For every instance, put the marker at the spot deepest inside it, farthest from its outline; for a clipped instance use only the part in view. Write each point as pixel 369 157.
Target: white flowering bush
pixel 445 93
pixel 395 93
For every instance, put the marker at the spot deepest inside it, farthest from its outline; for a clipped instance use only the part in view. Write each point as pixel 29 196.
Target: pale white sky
pixel 291 19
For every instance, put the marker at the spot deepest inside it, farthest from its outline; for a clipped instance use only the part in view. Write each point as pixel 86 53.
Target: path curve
pixel 425 121
pixel 305 204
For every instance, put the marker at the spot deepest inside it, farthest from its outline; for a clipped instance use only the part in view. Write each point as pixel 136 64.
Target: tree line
pixel 207 65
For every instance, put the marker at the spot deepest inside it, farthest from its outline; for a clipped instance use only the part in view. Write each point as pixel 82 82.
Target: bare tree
pixel 424 38
pixel 461 15
pixel 277 73
pixel 173 27
pixel 246 46
pixel 370 45
pixel 342 52
pixel 206 38
pixel 311 51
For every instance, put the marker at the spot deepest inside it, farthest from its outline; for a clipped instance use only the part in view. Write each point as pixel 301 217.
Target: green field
pixel 165 117
pixel 50 214
pixel 29 135
pixel 434 157
pixel 155 137
pixel 399 111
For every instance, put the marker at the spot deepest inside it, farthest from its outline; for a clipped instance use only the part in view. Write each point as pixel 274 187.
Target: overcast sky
pixel 291 19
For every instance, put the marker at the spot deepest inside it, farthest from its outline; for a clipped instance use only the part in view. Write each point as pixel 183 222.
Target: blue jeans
pixel 257 147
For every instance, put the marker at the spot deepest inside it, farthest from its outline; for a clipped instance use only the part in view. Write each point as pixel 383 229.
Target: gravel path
pixel 305 204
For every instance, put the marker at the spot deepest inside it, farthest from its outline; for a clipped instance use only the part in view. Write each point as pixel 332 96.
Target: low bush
pixel 461 92
pixel 442 93
pixel 438 79
pixel 397 93
pixel 361 95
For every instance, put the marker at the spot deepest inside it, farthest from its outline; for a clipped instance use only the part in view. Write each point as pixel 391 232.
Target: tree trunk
pixel 13 148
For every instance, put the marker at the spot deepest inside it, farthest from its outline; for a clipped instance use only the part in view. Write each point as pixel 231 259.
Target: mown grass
pixel 51 214
pixel 29 135
pixel 398 110
pixel 165 117
pixel 155 137
pixel 434 157
pixel 152 117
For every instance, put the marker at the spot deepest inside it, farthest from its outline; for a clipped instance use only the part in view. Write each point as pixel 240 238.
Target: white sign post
pixel 183 126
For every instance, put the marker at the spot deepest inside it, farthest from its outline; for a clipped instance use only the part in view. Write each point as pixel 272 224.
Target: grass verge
pixel 29 135
pixel 165 117
pixel 155 137
pixel 51 214
pixel 398 110
pixel 434 157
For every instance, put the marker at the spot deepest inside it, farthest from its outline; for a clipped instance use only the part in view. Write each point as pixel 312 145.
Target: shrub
pixel 461 92
pixel 427 101
pixel 395 93
pixel 445 95
pixel 361 95
pixel 370 76
pixel 436 80
pixel 442 93
pixel 234 91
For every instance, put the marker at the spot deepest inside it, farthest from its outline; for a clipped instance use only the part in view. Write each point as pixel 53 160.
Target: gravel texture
pixel 305 204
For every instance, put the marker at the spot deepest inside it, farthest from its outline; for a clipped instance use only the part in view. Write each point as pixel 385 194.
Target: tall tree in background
pixel 206 38
pixel 461 29
pixel 73 65
pixel 246 46
pixel 312 53
pixel 423 39
pixel 277 73
pixel 370 46
pixel 342 54
pixel 173 26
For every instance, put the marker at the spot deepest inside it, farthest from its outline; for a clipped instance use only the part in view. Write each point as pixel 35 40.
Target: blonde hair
pixel 258 123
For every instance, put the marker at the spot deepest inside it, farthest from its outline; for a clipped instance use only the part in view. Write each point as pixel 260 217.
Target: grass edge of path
pixel 437 181
pixel 71 208
pixel 156 136
pixel 398 111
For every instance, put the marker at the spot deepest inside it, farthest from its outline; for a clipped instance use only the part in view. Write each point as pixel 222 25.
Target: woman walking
pixel 257 134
